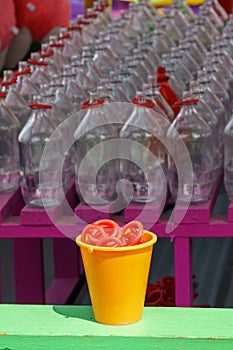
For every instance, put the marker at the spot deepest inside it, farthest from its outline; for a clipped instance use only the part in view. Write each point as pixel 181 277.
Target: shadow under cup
pixel 117 279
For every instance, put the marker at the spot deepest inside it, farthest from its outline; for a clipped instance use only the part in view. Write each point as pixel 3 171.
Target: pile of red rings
pixel 107 233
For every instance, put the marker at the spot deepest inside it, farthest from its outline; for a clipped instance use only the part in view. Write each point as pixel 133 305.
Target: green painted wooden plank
pixel 24 327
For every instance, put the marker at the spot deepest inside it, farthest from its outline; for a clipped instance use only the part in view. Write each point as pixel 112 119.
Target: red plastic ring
pixel 186 102
pixel 97 103
pixel 147 104
pixel 39 106
pixel 37 63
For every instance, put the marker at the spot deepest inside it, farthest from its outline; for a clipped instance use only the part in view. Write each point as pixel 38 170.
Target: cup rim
pixel 92 248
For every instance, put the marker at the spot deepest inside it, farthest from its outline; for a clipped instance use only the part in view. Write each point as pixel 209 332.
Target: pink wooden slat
pixel 28 265
pixel 150 215
pixel 39 216
pixel 60 290
pixel 198 214
pixel 217 227
pixel 10 204
pixel 183 272
pixel 89 215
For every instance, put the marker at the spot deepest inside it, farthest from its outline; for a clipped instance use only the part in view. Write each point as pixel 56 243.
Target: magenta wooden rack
pixel 27 227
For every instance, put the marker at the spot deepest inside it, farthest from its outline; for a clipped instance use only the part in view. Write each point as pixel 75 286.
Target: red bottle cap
pixel 39 106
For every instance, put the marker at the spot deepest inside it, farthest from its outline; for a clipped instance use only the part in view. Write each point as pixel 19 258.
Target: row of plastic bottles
pixel 103 61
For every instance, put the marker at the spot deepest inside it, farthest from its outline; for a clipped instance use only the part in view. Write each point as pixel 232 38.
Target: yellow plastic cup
pixel 117 279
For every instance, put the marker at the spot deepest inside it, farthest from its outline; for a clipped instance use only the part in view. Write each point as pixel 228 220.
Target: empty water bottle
pixel 191 130
pixel 40 185
pixel 228 159
pixel 144 167
pixel 9 150
pixel 97 180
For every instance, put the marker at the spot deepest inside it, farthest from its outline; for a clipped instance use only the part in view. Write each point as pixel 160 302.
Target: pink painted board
pixel 89 214
pixel 39 216
pixel 183 272
pixel 135 211
pixel 217 227
pixel 10 204
pixel 60 290
pixel 29 273
pixel 197 214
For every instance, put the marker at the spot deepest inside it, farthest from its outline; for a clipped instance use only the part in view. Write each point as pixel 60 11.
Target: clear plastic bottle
pixel 81 77
pixel 206 39
pixel 193 31
pixel 88 29
pixel 132 69
pixel 172 30
pixel 188 60
pixel 138 24
pixel 9 150
pixel 105 39
pixel 101 59
pixel 212 100
pixel 69 49
pixel 159 44
pixel 117 40
pixel 37 191
pixel 219 91
pixel 179 18
pixel 210 118
pixel 190 129
pixel 71 88
pixel 102 185
pixel 147 46
pixel 225 69
pixel 76 35
pixel 211 26
pixel 18 105
pixel 228 159
pixel 127 82
pixel 177 64
pixel 57 47
pixel 212 15
pixel 60 98
pixel 117 90
pixel 92 71
pixel 127 27
pixel 38 75
pixel 219 72
pixel 26 87
pixel 194 50
pixel 228 41
pixel 174 79
pixel 148 187
pixel 148 93
pixel 159 99
pixel 142 68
